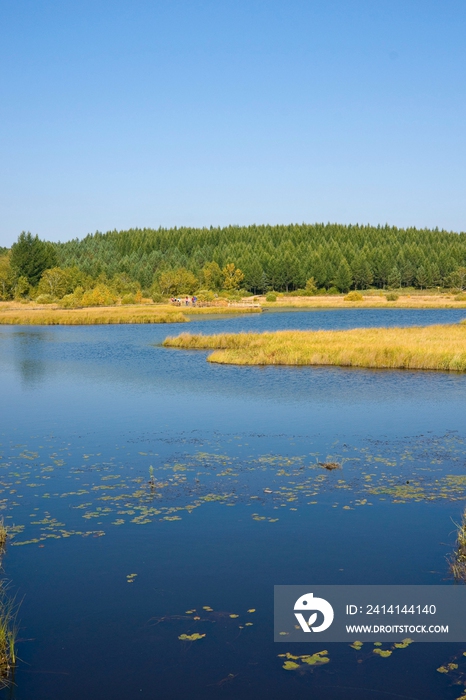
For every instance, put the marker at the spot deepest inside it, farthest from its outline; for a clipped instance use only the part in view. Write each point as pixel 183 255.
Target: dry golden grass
pixel 370 301
pixel 90 316
pixel 211 310
pixel 16 313
pixel 430 347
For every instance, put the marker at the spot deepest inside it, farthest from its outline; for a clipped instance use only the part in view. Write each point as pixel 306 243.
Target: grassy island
pixel 440 347
pixel 31 316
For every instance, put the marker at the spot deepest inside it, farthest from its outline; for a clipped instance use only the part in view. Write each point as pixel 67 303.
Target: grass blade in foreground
pixel 441 347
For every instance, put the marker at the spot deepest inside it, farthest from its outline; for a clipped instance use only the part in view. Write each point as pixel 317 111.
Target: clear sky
pixel 117 114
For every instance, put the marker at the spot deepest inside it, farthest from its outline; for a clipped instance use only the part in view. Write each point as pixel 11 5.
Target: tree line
pixel 334 257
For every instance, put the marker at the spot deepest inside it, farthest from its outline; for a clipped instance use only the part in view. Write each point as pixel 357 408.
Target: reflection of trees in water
pixel 28 355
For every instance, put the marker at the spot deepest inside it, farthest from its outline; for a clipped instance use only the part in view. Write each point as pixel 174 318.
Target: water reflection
pixel 28 353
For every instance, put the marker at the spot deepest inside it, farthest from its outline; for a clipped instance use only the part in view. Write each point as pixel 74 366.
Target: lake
pixel 146 488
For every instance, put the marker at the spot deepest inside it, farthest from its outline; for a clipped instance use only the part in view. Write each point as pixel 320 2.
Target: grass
pixel 89 316
pixel 3 535
pixel 13 313
pixel 8 627
pixel 458 559
pixel 441 347
pixel 8 635
pixel 373 300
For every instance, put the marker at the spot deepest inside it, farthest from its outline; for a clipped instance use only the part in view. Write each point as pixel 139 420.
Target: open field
pixel 370 301
pixel 441 347
pixel 13 313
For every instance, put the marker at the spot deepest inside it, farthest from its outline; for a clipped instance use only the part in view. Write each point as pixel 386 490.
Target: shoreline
pixel 40 315
pixel 14 313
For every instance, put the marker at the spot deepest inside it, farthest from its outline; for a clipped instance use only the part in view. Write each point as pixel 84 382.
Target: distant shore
pixel 15 313
pixel 416 300
pixel 31 313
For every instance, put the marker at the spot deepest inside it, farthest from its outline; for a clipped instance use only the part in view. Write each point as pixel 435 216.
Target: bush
pixel 205 295
pixel 45 299
pixel 71 301
pixel 461 297
pixel 297 293
pixel 301 293
pixel 128 299
pixel 333 290
pixel 391 296
pixel 271 297
pixel 101 295
pixel 157 297
pixel 354 296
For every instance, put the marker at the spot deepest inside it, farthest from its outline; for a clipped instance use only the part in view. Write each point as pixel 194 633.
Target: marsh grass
pixel 3 535
pixel 457 560
pixel 90 316
pixel 370 301
pixel 36 315
pixel 8 635
pixel 441 347
pixel 8 625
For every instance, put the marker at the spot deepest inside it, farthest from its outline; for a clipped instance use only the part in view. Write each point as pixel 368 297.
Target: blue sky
pixel 161 113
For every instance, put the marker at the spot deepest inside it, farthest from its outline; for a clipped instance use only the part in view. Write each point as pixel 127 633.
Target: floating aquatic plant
pixel 295 663
pixel 191 637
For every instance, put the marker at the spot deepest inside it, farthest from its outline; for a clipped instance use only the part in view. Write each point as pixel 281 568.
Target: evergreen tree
pixel 343 278
pixel 394 278
pixel 30 257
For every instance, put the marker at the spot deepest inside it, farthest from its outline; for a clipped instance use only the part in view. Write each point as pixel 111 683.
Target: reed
pixel 90 316
pixel 8 625
pixel 441 347
pixel 13 313
pixel 3 535
pixel 8 635
pixel 457 560
pixel 368 302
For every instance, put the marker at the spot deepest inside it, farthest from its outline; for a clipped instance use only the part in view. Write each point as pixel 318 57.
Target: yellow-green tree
pixel 232 276
pixel 458 279
pixel 311 286
pixel 101 295
pixel 179 281
pixel 57 281
pixel 7 278
pixel 212 276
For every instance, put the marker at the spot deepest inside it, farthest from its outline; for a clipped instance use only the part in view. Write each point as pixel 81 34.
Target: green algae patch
pixel 357 645
pixel 403 644
pixel 300 663
pixel 384 653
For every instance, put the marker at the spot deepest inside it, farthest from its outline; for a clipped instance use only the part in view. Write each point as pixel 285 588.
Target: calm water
pixel 87 410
